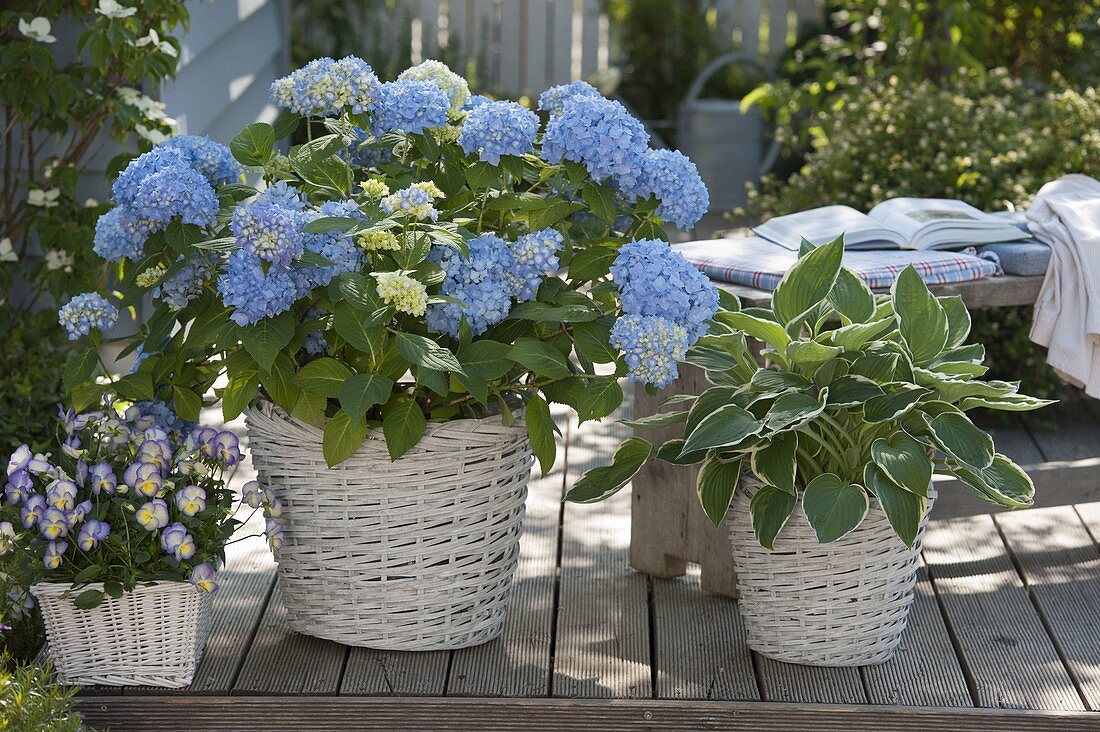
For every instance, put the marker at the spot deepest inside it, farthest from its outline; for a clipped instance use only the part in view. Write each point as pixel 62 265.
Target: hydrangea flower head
pixel 374 189
pixel 181 192
pixel 335 246
pixel 126 188
pixel 378 241
pixel 600 134
pixel 253 293
pixel 155 413
pixel 553 99
pixel 269 232
pixel 479 282
pixel 324 87
pixel 536 256
pixel 212 159
pixel 673 179
pixel 402 292
pixel 85 312
pixel 450 83
pixel 654 280
pixel 184 286
pixel 410 106
pixel 415 202
pixel 282 195
pixel 119 234
pixel 498 128
pixel 652 346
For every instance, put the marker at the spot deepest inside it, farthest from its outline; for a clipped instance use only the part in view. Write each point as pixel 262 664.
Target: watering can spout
pixel 726 144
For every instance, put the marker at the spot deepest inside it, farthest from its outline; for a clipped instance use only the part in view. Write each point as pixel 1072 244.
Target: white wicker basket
pixel 151 636
pixel 840 604
pixel 416 554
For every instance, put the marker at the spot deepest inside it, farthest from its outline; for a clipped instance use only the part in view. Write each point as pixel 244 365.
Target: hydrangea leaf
pixel 540 431
pixel 403 424
pixel 343 436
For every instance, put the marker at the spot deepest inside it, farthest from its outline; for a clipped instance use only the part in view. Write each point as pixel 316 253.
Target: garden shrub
pixel 31 702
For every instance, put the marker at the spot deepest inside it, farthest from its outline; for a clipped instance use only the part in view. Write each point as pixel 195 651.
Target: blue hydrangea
pixel 364 151
pixel 282 195
pixel 477 100
pixel 126 188
pixel 553 99
pixel 173 192
pixel 336 247
pixel 121 235
pixel 184 286
pixel 410 106
pixel 535 256
pixel 652 346
pixel 499 128
pixel 415 202
pixel 438 73
pixel 673 179
pixel 602 135
pixel 158 413
pixel 85 312
pixel 254 293
pixel 268 231
pixel 212 159
pixel 479 282
pixel 653 280
pixel 325 87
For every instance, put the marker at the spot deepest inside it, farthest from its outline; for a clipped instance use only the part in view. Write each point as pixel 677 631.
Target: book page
pixel 910 216
pixel 822 225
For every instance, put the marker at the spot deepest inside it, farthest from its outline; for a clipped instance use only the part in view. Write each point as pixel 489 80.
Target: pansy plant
pixel 425 255
pixel 860 398
pixel 132 495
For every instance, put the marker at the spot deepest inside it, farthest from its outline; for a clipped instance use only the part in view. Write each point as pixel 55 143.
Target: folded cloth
pixel 1066 214
pixel 759 263
pixel 1027 258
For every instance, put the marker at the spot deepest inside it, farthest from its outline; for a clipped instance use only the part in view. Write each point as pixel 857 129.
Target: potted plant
pixel 822 456
pixel 119 537
pixel 393 313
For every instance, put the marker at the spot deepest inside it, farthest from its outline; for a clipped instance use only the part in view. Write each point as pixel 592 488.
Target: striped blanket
pixel 759 263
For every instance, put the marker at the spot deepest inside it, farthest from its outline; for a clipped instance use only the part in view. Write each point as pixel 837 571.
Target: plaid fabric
pixel 759 263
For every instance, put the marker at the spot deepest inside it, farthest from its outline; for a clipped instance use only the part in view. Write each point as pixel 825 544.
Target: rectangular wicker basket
pixel 152 636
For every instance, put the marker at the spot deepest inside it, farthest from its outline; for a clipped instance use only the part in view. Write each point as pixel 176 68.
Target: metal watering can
pixel 726 145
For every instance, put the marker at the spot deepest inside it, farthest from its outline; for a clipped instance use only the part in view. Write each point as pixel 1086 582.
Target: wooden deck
pixel 1005 634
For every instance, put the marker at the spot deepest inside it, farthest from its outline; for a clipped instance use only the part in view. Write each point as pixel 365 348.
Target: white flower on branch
pixel 43 198
pixel 37 30
pixel 114 9
pixel 153 38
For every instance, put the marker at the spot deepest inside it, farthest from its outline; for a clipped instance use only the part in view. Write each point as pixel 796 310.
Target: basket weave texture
pixel 151 636
pixel 840 604
pixel 416 554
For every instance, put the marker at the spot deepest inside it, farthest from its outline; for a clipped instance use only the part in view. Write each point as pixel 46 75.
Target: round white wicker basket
pixel 151 636
pixel 416 554
pixel 840 604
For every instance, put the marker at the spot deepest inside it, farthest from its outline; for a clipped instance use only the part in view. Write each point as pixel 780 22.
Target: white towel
pixel 1066 214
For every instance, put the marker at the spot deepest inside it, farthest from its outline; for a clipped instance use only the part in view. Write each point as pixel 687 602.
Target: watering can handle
pixel 711 69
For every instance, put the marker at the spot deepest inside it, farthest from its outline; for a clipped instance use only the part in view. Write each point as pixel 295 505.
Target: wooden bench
pixel 669 530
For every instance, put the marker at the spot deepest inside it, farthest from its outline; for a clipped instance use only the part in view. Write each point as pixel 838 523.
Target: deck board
pixel 1003 645
pixel 788 682
pixel 392 673
pixel 1060 564
pixel 602 637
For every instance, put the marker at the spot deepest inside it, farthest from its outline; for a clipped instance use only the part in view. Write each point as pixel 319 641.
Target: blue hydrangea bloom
pixel 535 256
pixel 212 159
pixel 602 135
pixel 438 73
pixel 121 235
pixel 86 311
pixel 410 106
pixel 336 247
pixel 654 280
pixel 364 152
pixel 553 99
pixel 268 231
pixel 671 177
pixel 479 282
pixel 253 293
pixel 282 195
pixel 184 286
pixel 157 412
pixel 126 187
pixel 652 347
pixel 173 192
pixel 325 87
pixel 499 128
pixel 477 100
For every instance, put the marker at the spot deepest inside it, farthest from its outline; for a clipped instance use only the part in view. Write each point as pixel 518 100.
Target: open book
pixel 900 223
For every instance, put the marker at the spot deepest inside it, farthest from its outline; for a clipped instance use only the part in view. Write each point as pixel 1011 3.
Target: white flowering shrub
pixel 424 256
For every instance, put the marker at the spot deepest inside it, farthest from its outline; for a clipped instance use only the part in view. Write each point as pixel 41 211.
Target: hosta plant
pixel 860 398
pixel 425 255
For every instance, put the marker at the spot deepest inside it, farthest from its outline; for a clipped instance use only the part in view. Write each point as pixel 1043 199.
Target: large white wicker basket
pixel 151 636
pixel 416 554
pixel 840 604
